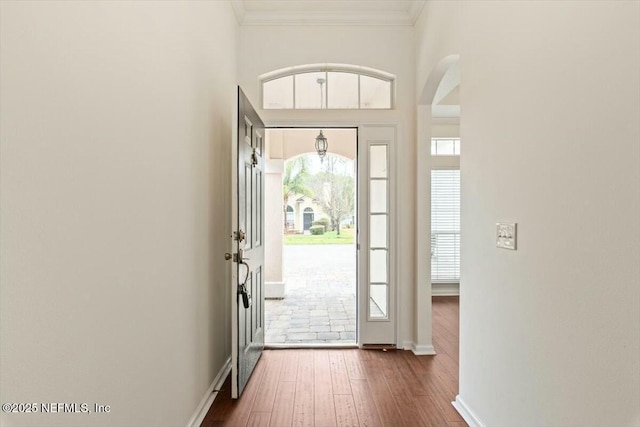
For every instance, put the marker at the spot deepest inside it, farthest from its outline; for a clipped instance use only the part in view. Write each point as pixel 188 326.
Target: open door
pixel 248 280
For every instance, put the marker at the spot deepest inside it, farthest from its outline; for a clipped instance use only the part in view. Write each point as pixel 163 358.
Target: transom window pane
pixel 374 93
pixel 278 93
pixel 337 88
pixel 445 146
pixel 310 94
pixel 342 90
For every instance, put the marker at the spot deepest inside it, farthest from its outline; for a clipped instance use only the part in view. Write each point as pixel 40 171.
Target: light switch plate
pixel 506 235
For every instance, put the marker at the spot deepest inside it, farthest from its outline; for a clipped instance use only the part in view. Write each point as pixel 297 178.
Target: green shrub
pixel 317 230
pixel 324 222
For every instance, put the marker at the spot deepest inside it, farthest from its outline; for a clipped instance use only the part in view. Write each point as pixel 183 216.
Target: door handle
pixel 236 258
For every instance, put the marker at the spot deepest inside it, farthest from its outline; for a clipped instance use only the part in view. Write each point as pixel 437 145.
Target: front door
pixel 307 220
pixel 248 304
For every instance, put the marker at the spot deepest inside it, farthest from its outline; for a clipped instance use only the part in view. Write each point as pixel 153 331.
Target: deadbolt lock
pixel 239 235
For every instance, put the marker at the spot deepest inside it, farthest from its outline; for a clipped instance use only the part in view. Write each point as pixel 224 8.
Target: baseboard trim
pixel 210 395
pixel 445 289
pixel 423 350
pixel 469 416
pixel 419 349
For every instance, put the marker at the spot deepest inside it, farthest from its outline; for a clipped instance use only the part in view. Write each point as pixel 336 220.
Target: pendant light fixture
pixel 321 146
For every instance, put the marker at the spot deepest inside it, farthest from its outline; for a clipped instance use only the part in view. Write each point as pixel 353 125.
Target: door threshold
pixel 320 345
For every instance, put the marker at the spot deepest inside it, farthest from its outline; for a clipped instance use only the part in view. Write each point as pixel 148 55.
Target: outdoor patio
pixel 320 297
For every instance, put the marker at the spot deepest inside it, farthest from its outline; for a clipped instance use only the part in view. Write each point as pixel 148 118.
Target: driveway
pixel 319 305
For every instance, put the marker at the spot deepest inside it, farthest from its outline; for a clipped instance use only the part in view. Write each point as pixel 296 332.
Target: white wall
pixel 390 49
pixel 445 130
pixel 437 35
pixel 550 126
pixel 116 130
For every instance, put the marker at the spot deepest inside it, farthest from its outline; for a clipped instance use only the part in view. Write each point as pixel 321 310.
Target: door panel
pixel 248 330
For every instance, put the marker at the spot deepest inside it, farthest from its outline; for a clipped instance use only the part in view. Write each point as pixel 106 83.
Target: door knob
pixel 228 256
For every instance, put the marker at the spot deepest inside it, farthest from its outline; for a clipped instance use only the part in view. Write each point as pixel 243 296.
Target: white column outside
pixel 274 229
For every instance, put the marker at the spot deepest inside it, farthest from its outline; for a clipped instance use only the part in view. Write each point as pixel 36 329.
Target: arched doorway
pixel 307 218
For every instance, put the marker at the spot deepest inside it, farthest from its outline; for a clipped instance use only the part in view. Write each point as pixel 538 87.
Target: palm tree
pixel 295 181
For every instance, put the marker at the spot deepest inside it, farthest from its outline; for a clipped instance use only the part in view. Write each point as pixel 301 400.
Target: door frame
pixel 393 209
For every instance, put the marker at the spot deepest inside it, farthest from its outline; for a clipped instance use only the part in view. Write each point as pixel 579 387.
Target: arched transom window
pixel 327 86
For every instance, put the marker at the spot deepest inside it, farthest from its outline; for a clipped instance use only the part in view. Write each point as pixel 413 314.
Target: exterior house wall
pixel 299 203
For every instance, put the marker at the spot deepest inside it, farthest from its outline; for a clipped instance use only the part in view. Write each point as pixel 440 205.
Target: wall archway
pixel 435 78
pixel 429 96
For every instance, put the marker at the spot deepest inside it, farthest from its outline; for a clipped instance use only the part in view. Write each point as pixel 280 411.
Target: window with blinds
pixel 445 226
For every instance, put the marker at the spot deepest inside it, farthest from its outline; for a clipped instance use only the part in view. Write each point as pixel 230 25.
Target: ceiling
pixel 328 12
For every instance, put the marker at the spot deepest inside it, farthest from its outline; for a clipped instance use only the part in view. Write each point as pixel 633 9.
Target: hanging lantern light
pixel 321 146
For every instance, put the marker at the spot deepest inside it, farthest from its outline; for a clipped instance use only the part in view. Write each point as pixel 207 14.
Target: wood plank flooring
pixel 351 388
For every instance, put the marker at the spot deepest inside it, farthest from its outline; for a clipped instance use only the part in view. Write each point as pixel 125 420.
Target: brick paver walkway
pixel 320 297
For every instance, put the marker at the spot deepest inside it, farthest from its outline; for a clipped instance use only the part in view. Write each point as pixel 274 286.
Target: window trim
pixel 327 68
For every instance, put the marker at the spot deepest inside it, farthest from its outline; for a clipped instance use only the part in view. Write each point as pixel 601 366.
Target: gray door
pixel 307 218
pixel 248 341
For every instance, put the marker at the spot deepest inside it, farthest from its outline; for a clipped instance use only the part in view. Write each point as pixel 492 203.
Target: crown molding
pixel 328 17
pixel 295 18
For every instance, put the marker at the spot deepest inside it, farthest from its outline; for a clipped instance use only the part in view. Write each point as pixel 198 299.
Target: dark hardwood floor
pixel 351 387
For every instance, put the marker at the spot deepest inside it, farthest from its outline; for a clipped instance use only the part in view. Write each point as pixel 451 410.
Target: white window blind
pixel 445 226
